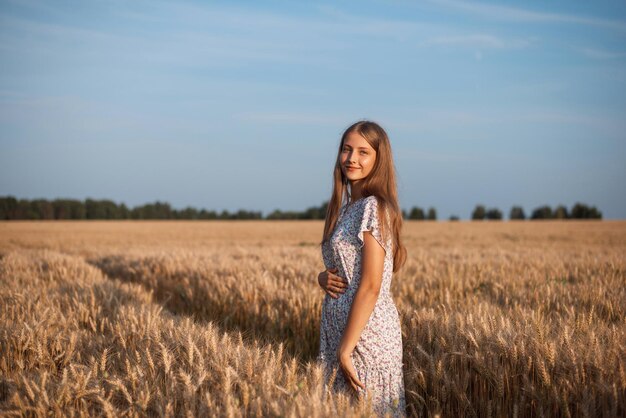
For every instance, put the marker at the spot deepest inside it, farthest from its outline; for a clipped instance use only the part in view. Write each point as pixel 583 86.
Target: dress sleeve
pixel 371 222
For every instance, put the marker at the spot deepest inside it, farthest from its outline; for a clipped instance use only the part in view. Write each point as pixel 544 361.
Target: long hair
pixel 381 182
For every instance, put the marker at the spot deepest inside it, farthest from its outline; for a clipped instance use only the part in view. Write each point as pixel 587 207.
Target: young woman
pixel 360 336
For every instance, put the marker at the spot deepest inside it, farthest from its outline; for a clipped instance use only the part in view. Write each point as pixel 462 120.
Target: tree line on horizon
pixel 578 211
pixel 73 209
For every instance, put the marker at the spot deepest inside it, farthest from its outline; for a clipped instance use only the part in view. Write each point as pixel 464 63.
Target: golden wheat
pixel 221 318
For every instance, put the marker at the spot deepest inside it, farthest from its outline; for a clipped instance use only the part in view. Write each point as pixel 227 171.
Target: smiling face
pixel 357 157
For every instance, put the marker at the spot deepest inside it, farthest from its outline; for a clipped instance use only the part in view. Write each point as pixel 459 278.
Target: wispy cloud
pixel 184 45
pixel 473 124
pixel 523 15
pixel 210 36
pixel 477 41
pixel 602 53
pixel 412 155
pixel 293 118
pixel 329 23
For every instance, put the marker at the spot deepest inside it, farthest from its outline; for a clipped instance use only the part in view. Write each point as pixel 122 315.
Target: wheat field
pixel 218 318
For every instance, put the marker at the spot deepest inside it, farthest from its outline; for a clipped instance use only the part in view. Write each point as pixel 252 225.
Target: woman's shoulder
pixel 370 202
pixel 370 208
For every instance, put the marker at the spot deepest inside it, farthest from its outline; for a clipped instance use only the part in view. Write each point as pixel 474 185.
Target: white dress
pixel 377 356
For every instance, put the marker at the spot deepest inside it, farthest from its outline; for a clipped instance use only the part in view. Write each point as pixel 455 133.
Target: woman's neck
pixel 355 190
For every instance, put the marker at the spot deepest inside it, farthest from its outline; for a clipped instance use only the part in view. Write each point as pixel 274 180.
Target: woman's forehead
pixel 355 140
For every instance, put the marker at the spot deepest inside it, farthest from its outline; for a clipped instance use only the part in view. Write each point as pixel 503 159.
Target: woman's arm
pixel 363 304
pixel 331 283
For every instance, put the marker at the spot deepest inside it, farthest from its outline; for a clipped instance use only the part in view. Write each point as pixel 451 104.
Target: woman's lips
pixel 351 168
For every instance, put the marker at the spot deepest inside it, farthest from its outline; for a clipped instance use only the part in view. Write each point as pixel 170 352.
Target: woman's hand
pixel 331 283
pixel 345 362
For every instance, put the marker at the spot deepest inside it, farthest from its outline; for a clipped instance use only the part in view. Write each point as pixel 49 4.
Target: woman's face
pixel 357 157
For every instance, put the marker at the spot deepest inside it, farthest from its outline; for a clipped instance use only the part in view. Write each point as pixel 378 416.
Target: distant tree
pixel 316 212
pixel 92 209
pixel 162 210
pixel 542 212
pixel 187 213
pixel 8 208
pixel 12 208
pixel 453 218
pixel 43 208
pixel 493 214
pixel 112 210
pixel 245 214
pixel 324 209
pixel 61 209
pixel 479 213
pixel 25 210
pixel 205 214
pixel 124 211
pixel 101 209
pixel 560 212
pixel 77 209
pixel 594 213
pixel 416 213
pixel 276 214
pixel 517 212
pixel 582 211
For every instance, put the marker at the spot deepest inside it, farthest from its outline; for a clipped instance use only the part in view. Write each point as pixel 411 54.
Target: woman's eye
pixel 363 152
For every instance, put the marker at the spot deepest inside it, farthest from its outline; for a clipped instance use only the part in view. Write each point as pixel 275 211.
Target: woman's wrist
pixel 344 352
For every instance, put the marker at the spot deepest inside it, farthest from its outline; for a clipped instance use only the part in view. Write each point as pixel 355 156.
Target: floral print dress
pixel 377 356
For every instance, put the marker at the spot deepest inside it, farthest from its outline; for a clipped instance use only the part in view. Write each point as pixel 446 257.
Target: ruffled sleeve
pixel 371 222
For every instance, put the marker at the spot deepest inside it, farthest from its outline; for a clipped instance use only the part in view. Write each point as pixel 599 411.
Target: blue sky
pixel 240 105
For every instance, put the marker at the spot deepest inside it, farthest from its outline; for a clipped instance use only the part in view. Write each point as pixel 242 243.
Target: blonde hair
pixel 381 182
